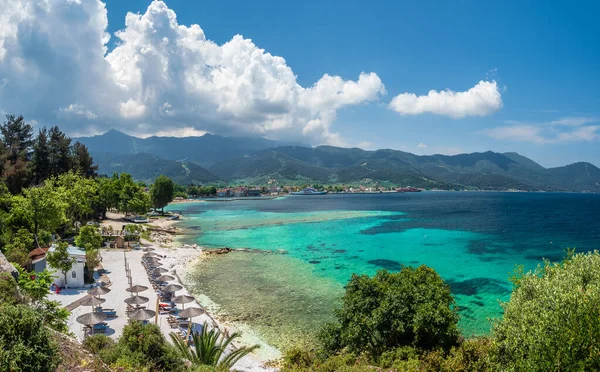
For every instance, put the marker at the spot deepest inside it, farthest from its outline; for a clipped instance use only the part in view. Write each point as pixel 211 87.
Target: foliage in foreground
pixel 141 347
pixel 210 349
pixel 552 321
pixel 24 344
pixel 413 307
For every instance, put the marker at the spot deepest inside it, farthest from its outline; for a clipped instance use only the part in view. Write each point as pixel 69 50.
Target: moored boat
pixel 309 191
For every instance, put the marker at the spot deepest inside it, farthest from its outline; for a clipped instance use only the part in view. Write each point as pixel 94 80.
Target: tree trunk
pixel 65 275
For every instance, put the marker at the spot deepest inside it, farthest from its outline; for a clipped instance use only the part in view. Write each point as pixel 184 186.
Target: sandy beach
pixel 176 261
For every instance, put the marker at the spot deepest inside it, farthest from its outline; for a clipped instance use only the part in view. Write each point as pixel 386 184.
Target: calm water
pixel 312 245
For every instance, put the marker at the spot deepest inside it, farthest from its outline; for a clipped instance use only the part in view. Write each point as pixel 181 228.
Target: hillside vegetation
pixel 210 158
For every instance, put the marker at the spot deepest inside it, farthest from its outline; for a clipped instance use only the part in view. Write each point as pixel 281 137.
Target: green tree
pixel 551 320
pixel 60 259
pixel 82 162
pixel 89 238
pixel 17 137
pixel 41 157
pixel 25 344
pixel 141 347
pixel 43 207
pixel 59 150
pixel 9 290
pixel 210 349
pixel 79 195
pixel 162 192
pixel 34 285
pixel 21 243
pixel 413 307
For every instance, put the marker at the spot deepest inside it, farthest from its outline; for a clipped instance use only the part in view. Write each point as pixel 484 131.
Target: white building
pixel 75 275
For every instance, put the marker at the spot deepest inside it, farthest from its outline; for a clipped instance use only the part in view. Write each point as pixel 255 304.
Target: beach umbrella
pixel 98 291
pixel 191 312
pixel 165 278
pixel 183 299
pixel 151 254
pixel 136 288
pixel 91 318
pixel 136 300
pixel 152 260
pixel 141 314
pixel 172 288
pixel 158 271
pixel 92 301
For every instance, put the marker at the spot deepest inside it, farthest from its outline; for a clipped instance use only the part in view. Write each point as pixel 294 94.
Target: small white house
pixel 75 275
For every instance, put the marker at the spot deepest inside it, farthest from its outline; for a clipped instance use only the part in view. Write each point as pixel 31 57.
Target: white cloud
pixel 78 110
pixel 481 100
pixel 177 132
pixel 565 130
pixel 574 121
pixel 421 145
pixel 161 74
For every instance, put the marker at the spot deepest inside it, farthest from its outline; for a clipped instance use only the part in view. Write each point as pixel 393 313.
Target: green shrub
pixel 25 344
pixel 141 347
pixel 413 307
pixel 9 290
pixel 96 343
pixel 551 321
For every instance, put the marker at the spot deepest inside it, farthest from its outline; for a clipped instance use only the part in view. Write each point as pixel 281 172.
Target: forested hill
pixel 255 161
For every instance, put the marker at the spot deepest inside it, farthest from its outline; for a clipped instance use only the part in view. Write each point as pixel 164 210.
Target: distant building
pixel 223 193
pixel 253 192
pixel 75 275
pixel 38 259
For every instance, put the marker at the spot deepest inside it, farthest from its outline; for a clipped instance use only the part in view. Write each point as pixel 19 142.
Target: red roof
pixel 38 252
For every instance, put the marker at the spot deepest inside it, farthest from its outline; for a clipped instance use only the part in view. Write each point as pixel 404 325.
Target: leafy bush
pixel 413 307
pixel 552 319
pixel 9 291
pixel 96 343
pixel 140 347
pixel 25 345
pixel 89 238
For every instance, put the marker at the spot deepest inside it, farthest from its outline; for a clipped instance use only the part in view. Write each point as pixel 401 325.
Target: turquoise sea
pixel 303 249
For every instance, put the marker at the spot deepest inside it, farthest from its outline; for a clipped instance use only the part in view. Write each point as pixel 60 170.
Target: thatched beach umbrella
pixel 151 260
pixel 141 314
pixel 183 299
pixel 136 300
pixel 93 301
pixel 172 288
pixel 165 278
pixel 158 271
pixel 191 312
pixel 151 254
pixel 98 291
pixel 91 319
pixel 136 288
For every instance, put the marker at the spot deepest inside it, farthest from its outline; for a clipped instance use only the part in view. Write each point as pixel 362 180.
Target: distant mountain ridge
pixel 212 158
pixel 202 150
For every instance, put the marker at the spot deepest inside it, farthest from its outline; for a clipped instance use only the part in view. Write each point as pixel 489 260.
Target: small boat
pixel 408 189
pixel 175 217
pixel 309 191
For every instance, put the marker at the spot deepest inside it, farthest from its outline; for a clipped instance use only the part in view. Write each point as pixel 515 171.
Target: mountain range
pixel 247 160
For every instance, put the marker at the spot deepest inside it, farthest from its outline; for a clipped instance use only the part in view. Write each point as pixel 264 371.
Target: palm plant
pixel 209 348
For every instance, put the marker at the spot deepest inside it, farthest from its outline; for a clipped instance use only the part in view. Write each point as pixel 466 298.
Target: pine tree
pixel 59 150
pixel 41 160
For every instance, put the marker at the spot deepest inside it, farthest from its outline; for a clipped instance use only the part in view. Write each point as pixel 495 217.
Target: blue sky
pixel 542 55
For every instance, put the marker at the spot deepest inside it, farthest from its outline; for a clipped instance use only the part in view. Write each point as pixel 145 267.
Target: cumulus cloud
pixel 161 74
pixel 564 130
pixel 421 145
pixel 481 100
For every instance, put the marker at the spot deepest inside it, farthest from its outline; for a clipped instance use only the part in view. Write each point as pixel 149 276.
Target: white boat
pixel 309 191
